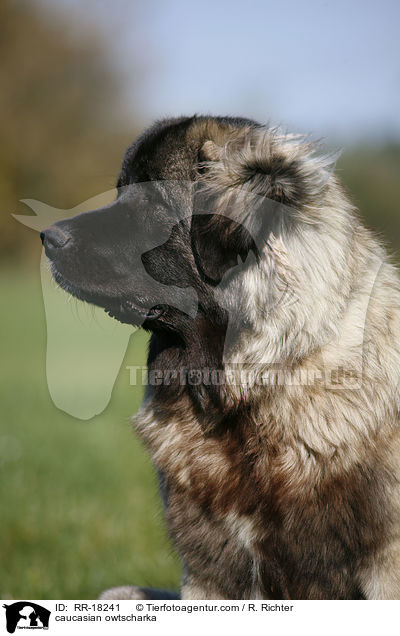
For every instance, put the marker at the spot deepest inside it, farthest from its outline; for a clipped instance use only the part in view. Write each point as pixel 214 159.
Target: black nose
pixel 54 237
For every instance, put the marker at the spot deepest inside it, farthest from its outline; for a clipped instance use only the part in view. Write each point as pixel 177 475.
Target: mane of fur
pixel 322 300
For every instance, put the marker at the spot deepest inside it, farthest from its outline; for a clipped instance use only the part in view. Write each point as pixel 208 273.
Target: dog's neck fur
pixel 274 464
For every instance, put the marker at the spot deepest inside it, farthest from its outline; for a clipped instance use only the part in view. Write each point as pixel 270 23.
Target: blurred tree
pixel 61 131
pixel 371 175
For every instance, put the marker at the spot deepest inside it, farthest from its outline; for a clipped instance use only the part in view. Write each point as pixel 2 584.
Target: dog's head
pixel 138 255
pixel 248 218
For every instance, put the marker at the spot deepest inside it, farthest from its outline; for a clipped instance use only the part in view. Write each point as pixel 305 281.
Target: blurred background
pixel 79 80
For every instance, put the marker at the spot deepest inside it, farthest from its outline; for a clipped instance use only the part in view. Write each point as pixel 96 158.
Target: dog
pixel 273 417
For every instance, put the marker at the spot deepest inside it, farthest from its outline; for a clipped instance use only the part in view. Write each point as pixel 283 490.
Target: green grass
pixel 79 504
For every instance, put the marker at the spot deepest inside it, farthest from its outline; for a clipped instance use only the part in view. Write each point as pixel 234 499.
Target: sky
pixel 327 68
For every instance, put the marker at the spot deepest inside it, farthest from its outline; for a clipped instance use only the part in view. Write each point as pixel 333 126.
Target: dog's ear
pixel 252 165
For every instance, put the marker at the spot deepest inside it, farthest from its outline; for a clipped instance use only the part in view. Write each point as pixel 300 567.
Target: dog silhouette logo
pixel 26 615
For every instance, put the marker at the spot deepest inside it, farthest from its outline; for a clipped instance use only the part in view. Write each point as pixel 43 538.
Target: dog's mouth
pixel 126 310
pixel 131 312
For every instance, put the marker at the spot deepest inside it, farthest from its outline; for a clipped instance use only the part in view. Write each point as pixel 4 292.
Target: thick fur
pixel 287 488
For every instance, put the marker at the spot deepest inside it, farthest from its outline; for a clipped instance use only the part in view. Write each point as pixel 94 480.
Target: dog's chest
pixel 235 503
pixel 221 473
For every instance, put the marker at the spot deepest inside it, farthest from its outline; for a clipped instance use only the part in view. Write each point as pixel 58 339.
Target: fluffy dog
pixel 273 422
